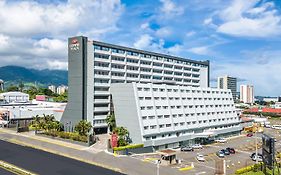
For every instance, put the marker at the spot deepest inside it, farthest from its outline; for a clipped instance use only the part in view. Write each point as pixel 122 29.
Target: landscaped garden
pixel 47 125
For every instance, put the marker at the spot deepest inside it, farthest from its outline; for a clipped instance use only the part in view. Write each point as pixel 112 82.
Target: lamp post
pixel 158 170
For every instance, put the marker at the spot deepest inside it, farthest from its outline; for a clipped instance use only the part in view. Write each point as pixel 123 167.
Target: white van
pixel 276 127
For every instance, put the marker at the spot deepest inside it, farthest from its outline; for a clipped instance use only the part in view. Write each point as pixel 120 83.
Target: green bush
pixel 67 135
pixel 254 168
pixel 128 147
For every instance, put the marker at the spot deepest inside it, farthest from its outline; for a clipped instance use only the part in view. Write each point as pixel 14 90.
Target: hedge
pixel 128 147
pixel 248 168
pixel 67 135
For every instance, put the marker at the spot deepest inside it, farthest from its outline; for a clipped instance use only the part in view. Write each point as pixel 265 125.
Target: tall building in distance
pixel 61 89
pixel 93 66
pixel 228 82
pixel 247 94
pixel 1 85
pixel 52 88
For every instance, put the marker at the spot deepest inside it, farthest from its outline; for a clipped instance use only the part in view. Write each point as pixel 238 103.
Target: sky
pixel 241 38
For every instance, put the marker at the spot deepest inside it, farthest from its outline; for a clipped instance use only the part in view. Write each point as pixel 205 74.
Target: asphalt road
pixel 5 172
pixel 45 163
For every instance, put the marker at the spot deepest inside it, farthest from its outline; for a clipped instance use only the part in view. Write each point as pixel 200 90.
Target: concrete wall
pixel 125 110
pixel 78 98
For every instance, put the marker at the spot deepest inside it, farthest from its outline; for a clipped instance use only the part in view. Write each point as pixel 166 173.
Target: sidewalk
pixel 126 165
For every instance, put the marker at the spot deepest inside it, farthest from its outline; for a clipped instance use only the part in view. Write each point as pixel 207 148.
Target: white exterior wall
pixel 247 94
pixel 171 113
pixel 124 67
pixel 15 97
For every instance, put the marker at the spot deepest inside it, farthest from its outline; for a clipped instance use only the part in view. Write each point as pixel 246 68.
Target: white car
pixel 220 140
pixel 200 158
pixel 197 146
pixel 254 158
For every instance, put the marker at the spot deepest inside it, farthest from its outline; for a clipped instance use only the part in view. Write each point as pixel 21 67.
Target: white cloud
pixel 170 9
pixel 23 22
pixel 143 42
pixel 251 18
pixel 260 68
pixel 145 26
pixel 163 32
pixel 191 33
pixel 202 50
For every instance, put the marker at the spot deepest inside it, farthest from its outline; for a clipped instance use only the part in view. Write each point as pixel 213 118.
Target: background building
pixel 1 85
pixel 247 94
pixel 52 88
pixel 167 116
pixel 10 97
pixel 61 89
pixel 227 82
pixel 93 66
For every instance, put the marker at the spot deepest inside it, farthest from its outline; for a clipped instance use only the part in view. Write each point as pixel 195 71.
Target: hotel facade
pixel 97 69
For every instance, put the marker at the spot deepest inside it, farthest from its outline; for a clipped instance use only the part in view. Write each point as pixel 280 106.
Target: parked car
pixel 257 158
pixel 200 158
pixel 225 152
pixel 230 150
pixel 187 148
pixel 197 146
pixel 249 134
pixel 220 154
pixel 254 154
pixel 220 140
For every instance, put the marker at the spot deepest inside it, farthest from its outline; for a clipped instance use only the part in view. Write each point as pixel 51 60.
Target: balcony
pixel 101 109
pixel 102 84
pixel 101 68
pixel 101 76
pixel 101 93
pixel 101 101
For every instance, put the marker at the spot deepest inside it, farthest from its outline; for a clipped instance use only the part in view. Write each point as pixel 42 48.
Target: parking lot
pixel 243 145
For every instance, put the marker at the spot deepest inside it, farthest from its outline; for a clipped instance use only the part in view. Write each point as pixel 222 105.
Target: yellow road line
pixel 65 155
pixel 15 169
pixel 186 168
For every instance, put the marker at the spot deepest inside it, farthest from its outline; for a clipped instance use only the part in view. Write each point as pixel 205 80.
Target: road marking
pixel 15 169
pixel 203 172
pixel 65 155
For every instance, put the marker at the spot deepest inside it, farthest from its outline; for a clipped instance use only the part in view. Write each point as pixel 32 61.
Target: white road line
pixel 203 172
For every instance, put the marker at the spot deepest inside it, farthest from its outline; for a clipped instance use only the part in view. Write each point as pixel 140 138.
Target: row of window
pixel 183 90
pixel 177 134
pixel 153 57
pixel 97 63
pixel 183 98
pixel 161 126
pixel 159 117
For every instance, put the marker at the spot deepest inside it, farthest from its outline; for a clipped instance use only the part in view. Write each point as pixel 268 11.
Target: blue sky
pixel 240 38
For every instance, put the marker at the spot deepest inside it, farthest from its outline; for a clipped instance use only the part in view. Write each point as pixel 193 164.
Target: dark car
pixel 249 134
pixel 187 148
pixel 231 150
pixel 225 152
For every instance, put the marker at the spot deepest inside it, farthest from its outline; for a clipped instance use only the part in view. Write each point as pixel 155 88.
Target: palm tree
pixel 83 127
pixel 36 119
pixel 110 120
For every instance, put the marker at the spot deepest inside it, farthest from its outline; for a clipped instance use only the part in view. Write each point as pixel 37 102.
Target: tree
pixel 83 127
pixel 21 86
pixel 110 120
pixel 123 135
pixel 12 88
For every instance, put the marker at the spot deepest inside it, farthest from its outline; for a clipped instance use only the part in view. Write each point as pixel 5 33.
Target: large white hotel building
pixel 99 71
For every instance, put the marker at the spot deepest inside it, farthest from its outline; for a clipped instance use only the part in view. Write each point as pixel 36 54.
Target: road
pixel 45 163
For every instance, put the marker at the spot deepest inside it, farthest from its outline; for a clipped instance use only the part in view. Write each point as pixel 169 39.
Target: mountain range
pixel 16 74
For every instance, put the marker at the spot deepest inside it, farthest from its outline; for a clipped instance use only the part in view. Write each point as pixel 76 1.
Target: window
pixel 145 127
